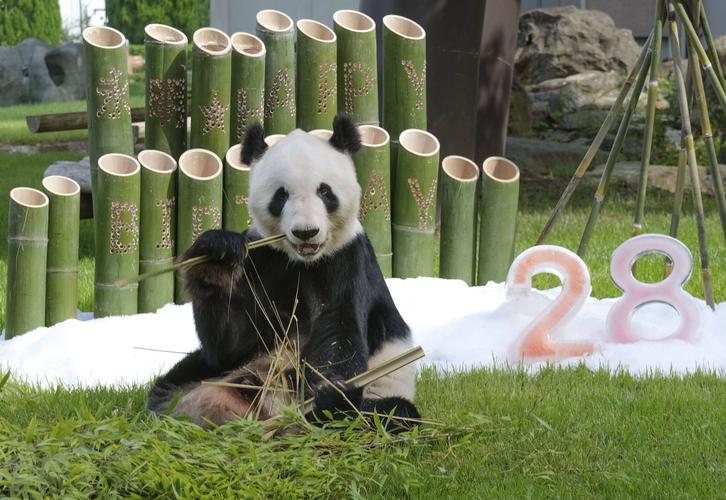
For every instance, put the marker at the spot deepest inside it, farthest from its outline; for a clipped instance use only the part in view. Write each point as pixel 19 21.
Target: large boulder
pixel 563 41
pixel 34 71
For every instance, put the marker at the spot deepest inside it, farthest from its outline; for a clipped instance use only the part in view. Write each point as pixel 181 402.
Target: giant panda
pixel 322 282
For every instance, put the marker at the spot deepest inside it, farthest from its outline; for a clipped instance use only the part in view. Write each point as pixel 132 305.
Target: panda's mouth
pixel 307 249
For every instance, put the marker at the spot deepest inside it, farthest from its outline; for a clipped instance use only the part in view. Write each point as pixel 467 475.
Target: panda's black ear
pixel 253 145
pixel 346 137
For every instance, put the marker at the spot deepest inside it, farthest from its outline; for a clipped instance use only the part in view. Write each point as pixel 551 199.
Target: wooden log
pixel 166 89
pixel 157 228
pixel 497 218
pixel 372 164
pixel 211 87
pixel 117 234
pixel 236 215
pixel 199 205
pixel 414 204
pixel 457 245
pixel 27 251
pixel 57 122
pixel 357 66
pixel 404 77
pixel 275 29
pixel 317 80
pixel 64 217
pixel 248 84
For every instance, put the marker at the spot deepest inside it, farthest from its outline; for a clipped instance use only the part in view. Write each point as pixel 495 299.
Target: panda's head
pixel 306 188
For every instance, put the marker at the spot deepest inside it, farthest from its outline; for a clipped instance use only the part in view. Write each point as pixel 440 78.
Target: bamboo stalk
pixel 323 133
pixel 27 251
pixel 235 213
pixel 166 89
pixel 248 84
pixel 459 178
pixel 357 66
pixel 711 45
pixel 275 29
pixel 200 202
pixel 157 227
pixel 404 77
pixel 317 83
pixel 497 218
pixel 107 98
pixel 117 243
pixel 691 152
pixel 372 164
pixel 612 157
pixel 64 212
pixel 595 145
pixel 273 139
pixel 414 204
pixel 650 118
pixel 211 88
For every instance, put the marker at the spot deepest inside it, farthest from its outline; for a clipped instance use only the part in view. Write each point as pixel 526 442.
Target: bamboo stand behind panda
pixel 323 281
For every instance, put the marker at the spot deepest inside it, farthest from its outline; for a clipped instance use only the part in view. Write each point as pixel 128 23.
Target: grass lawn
pixel 503 433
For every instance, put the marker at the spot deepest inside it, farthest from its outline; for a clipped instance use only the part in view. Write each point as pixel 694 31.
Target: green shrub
pixel 21 19
pixel 131 16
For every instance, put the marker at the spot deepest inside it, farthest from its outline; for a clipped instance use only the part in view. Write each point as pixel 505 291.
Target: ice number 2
pixel 535 339
pixel 636 293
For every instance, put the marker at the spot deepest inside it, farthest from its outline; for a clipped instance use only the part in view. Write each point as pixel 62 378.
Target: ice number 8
pixel 636 293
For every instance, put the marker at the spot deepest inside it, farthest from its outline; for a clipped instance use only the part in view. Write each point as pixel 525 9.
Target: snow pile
pixel 459 327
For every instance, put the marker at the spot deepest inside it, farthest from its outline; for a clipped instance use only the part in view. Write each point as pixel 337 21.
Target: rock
pixel 541 156
pixel 587 120
pixel 33 71
pixel 562 41
pixel 80 172
pixel 520 110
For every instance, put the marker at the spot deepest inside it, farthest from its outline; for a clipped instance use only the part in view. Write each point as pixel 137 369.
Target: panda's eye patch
pixel 278 201
pixel 326 194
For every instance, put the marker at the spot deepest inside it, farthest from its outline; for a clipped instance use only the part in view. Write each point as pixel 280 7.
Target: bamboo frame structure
pixel 248 84
pixel 317 75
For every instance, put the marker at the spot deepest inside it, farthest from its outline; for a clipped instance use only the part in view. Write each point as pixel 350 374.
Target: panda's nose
pixel 305 234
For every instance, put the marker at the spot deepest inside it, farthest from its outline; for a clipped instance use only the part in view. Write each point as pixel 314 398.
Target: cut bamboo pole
pixel 27 252
pixel 323 133
pixel 497 218
pixel 248 84
pixel 107 96
pixel 166 89
pixel 690 148
pixel 276 30
pixel 157 227
pixel 372 164
pixel 414 204
pixel 117 242
pixel 612 157
pixel 595 145
pixel 650 118
pixel 711 45
pixel 211 88
pixel 200 202
pixel 273 139
pixel 404 77
pixel 457 245
pixel 357 66
pixel 64 215
pixel 236 214
pixel 317 82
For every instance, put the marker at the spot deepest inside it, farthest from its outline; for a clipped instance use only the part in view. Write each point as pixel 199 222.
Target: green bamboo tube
pixel 404 77
pixel 457 245
pixel 275 29
pixel 157 228
pixel 105 57
pixel 236 215
pixel 248 84
pixel 414 204
pixel 357 66
pixel 27 251
pixel 117 234
pixel 323 133
pixel 200 203
pixel 373 166
pixel 497 218
pixel 64 213
pixel 317 78
pixel 211 87
pixel 711 45
pixel 166 89
pixel 273 139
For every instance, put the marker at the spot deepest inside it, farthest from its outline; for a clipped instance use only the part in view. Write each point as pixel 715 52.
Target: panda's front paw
pixel 336 398
pixel 219 245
